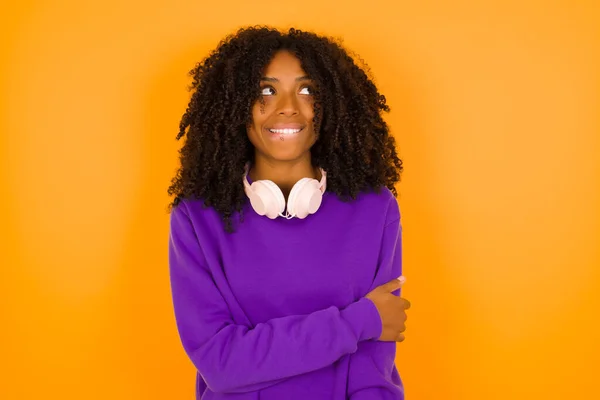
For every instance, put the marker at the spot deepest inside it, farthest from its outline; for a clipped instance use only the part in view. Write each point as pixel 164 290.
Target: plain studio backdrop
pixel 495 109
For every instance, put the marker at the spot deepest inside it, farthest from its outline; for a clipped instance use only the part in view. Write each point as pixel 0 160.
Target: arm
pixel 237 358
pixel 372 371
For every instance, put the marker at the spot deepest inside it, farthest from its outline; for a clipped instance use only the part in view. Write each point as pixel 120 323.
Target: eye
pixel 306 90
pixel 267 91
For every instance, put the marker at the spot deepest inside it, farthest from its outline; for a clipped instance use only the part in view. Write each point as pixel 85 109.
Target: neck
pixel 283 173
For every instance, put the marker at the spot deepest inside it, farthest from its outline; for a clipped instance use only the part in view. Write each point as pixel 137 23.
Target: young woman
pixel 285 235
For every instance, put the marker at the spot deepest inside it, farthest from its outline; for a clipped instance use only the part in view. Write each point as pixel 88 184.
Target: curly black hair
pixel 353 142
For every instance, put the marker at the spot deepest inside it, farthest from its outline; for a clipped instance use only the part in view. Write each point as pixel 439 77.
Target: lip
pixel 286 126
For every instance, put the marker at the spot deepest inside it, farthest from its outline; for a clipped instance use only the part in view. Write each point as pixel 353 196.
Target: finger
pixel 400 338
pixel 393 285
pixel 406 303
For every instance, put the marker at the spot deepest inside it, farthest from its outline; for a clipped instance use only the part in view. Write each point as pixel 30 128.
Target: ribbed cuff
pixel 364 319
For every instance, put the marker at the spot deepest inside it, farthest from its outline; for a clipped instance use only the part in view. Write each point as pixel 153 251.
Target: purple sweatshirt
pixel 277 310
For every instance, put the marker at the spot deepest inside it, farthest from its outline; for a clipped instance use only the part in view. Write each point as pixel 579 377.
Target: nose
pixel 288 105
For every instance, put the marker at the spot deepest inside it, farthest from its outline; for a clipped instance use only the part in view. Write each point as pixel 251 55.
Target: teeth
pixel 285 131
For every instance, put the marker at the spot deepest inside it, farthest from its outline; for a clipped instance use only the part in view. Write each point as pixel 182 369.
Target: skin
pixel 287 94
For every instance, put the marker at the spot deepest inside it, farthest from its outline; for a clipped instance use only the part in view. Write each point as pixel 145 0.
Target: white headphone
pixel 267 199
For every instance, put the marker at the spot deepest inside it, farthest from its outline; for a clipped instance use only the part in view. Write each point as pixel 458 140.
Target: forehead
pixel 284 63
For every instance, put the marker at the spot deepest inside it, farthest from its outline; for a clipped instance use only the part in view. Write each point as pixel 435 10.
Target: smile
pixel 286 131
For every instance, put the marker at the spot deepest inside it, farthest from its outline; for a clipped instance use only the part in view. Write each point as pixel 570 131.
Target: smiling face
pixel 282 123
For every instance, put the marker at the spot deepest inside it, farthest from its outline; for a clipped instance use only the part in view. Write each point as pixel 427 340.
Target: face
pixel 282 127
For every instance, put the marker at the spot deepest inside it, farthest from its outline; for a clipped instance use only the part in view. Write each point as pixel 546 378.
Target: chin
pixel 286 155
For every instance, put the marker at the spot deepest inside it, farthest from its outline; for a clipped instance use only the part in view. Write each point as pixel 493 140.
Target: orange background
pixel 495 107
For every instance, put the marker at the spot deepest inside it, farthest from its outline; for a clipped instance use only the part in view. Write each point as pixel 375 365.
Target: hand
pixel 391 310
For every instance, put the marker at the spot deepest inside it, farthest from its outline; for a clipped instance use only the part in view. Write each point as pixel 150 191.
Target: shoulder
pixel 393 208
pixel 383 200
pixel 196 212
pixel 370 207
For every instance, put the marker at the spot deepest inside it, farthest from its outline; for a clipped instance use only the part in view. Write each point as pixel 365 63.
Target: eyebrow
pixel 271 79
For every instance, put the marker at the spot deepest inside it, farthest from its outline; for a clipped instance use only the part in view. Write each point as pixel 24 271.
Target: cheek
pixel 255 123
pixel 260 112
pixel 308 110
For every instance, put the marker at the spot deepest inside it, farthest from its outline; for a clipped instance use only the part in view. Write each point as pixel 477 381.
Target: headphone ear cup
pixel 305 198
pixel 267 199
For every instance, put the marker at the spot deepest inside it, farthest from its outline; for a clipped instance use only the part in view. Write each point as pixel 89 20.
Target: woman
pixel 285 235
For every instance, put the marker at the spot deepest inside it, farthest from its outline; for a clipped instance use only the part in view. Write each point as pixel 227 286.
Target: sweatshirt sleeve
pixel 372 370
pixel 236 358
